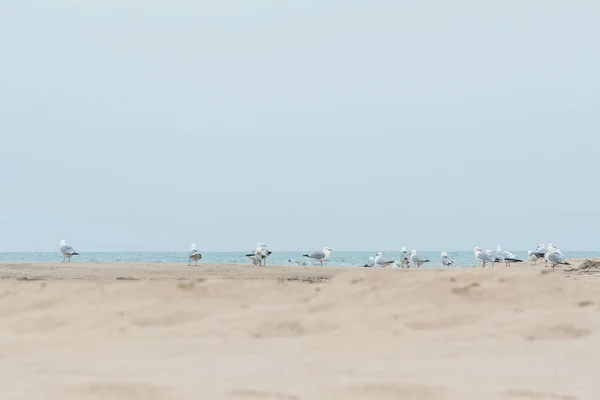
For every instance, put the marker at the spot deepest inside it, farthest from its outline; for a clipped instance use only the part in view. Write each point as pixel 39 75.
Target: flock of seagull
pixel 550 254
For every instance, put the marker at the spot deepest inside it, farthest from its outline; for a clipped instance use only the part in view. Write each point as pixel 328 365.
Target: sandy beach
pixel 169 331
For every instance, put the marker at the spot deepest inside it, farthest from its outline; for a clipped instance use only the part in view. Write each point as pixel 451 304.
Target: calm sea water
pixel 347 258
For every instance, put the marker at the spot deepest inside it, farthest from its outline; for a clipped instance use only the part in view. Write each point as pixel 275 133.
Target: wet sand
pixel 169 331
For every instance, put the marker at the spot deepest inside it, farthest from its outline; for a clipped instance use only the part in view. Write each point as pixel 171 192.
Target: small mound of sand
pixel 590 265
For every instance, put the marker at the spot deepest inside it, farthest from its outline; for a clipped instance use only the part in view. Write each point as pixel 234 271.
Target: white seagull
pixel 260 254
pixel 533 258
pixel 483 257
pixel 492 256
pixel 66 251
pixel 540 252
pixel 404 257
pixel 446 261
pixel 555 256
pixel 370 263
pixel 417 259
pixel 194 255
pixel 380 262
pixel 510 258
pixel 320 256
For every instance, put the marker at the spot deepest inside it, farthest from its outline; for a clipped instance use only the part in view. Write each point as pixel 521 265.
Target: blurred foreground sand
pixel 167 331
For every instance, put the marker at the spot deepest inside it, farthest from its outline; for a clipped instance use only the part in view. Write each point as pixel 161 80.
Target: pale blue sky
pixel 147 125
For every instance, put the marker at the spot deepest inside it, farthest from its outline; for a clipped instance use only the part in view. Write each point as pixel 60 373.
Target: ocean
pixel 344 258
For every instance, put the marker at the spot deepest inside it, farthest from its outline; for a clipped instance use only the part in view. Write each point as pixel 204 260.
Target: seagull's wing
pixel 317 255
pixel 419 258
pixel 484 257
pixel 447 261
pixel 67 250
pixel 556 258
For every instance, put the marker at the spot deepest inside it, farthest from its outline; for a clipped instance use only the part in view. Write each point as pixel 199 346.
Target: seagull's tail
pixel 515 260
pixel 75 254
pixel 305 255
pixel 250 255
pixel 566 263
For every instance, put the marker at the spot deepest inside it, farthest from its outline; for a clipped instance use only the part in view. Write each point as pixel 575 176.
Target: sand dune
pixel 297 333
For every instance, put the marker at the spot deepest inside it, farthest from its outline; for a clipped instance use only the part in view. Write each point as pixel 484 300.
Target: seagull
pixel 66 251
pixel 370 263
pixel 260 254
pixel 320 255
pixel 483 257
pixel 405 257
pixel 498 254
pixel 540 252
pixel 555 256
pixel 380 262
pixel 533 258
pixel 194 255
pixel 492 256
pixel 416 259
pixel 510 258
pixel 446 261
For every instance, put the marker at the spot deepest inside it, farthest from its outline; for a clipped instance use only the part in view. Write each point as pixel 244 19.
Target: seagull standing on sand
pixel 540 252
pixel 492 256
pixel 380 262
pixel 370 263
pixel 66 251
pixel 555 256
pixel 320 256
pixel 499 254
pixel 404 257
pixel 483 257
pixel 446 261
pixel 194 255
pixel 510 258
pixel 417 259
pixel 533 258
pixel 260 254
